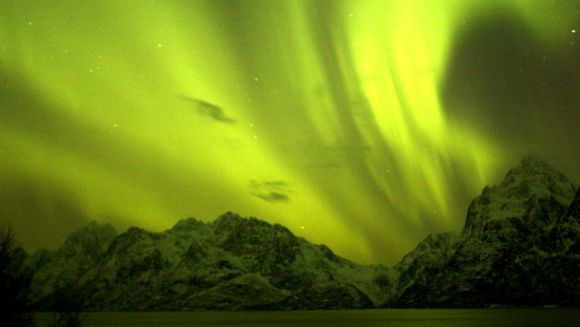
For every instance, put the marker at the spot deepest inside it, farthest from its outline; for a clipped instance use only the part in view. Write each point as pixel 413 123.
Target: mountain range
pixel 520 246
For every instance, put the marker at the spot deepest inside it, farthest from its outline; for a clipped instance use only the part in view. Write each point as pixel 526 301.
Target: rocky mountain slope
pixel 80 252
pixel 520 246
pixel 233 263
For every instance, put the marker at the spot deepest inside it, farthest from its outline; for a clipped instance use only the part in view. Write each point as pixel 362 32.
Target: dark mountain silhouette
pixel 520 246
pixel 233 263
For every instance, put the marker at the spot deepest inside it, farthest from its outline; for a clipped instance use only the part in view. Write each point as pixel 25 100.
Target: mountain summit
pixel 520 246
pixel 79 253
pixel 233 263
pixel 532 184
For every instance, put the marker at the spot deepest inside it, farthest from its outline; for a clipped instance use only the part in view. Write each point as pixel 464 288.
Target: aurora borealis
pixel 363 125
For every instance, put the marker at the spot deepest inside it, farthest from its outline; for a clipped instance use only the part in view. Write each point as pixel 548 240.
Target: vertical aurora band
pixel 335 105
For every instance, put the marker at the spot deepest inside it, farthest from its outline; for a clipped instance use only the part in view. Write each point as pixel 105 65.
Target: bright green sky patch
pixel 352 123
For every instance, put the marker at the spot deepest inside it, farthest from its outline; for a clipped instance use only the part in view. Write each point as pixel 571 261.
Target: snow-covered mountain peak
pixel 232 222
pixel 232 263
pixel 526 190
pixel 520 246
pixel 187 224
pixel 539 174
pixel 227 221
pixel 88 237
pixel 81 250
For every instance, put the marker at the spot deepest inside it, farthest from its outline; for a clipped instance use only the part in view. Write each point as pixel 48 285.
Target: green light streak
pixel 340 100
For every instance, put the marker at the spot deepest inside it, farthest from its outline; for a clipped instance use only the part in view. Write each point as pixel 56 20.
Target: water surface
pixel 359 318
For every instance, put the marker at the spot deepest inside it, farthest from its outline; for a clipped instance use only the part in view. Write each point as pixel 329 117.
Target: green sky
pixel 363 125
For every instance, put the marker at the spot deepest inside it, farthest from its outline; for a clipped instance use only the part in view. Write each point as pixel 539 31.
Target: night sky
pixel 363 125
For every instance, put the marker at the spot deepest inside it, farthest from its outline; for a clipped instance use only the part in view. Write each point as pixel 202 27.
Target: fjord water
pixel 358 318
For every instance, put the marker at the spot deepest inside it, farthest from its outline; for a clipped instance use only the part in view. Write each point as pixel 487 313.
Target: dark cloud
pixel 270 191
pixel 272 197
pixel 509 84
pixel 210 110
